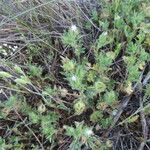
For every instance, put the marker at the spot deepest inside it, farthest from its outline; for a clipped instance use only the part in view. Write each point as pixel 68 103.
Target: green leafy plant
pixel 74 72
pixel 81 135
pixel 35 71
pixel 48 125
pixel 103 40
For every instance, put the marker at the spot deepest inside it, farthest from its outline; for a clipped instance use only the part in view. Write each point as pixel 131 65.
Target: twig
pixel 144 127
pixel 29 129
pixel 24 12
pixel 88 18
pixel 126 100
pixel 146 80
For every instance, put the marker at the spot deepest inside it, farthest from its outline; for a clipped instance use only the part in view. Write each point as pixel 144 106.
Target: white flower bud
pixel 9 47
pixel 89 132
pixel 73 28
pixel 105 33
pixel 114 112
pixel 5 53
pixel 73 78
pixel 15 47
pixel 5 45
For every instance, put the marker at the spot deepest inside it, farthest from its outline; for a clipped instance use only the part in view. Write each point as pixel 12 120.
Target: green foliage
pixel 72 38
pixel 103 40
pixel 23 80
pixel 4 75
pixel 47 122
pixel 18 70
pixel 99 86
pixel 104 60
pixel 94 80
pixel 11 102
pixel 48 125
pixel 79 107
pixel 81 134
pixel 106 122
pixel 96 116
pixel 83 73
pixel 3 144
pixel 35 71
pixel 68 65
pixel 33 50
pixel 75 75
pixel 34 117
pixel 110 97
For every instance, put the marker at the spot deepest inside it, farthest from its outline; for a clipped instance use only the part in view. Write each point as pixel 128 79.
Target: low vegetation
pixel 75 75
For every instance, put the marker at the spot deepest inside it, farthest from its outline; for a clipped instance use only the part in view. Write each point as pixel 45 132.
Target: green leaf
pixel 130 60
pixel 18 69
pixel 133 73
pixel 35 71
pixel 79 107
pixel 118 49
pixel 35 118
pixel 103 40
pixel 23 80
pixel 104 60
pixel 132 48
pixel 144 56
pixel 110 97
pixel 100 86
pixel 71 38
pixel 48 125
pixel 11 102
pixel 96 116
pixel 4 74
pixel 106 122
pixel 119 22
pixel 68 65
